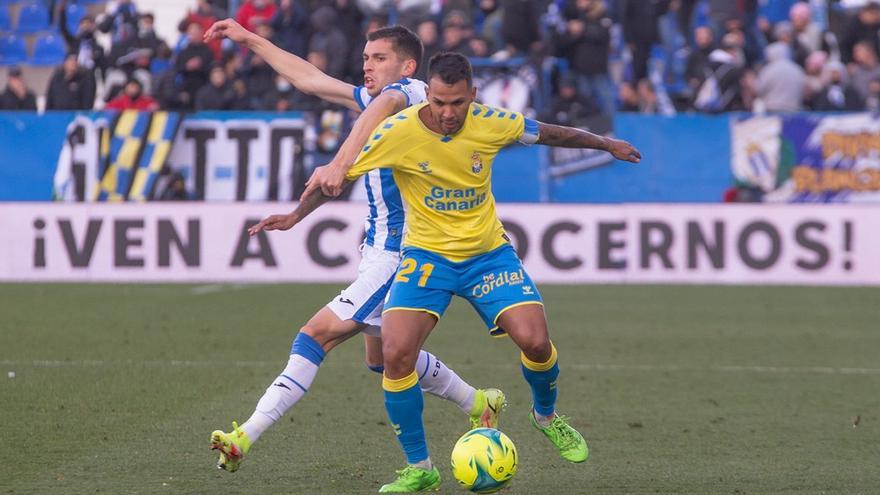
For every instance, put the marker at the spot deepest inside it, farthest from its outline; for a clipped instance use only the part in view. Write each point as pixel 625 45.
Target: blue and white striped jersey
pixel 385 222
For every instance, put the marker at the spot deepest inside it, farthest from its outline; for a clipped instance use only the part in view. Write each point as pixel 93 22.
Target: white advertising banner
pixel 208 242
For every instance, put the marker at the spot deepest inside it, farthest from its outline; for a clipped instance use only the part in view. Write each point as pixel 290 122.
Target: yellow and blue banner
pixel 133 152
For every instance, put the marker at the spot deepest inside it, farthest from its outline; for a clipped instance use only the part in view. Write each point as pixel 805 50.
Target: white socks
pixel 437 379
pixel 284 392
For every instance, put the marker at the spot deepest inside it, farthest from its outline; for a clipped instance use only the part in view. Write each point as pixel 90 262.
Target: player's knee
pixel 538 350
pixel 398 358
pixel 319 335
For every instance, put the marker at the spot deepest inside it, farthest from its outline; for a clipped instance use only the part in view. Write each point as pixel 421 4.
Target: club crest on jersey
pixel 476 163
pixel 425 167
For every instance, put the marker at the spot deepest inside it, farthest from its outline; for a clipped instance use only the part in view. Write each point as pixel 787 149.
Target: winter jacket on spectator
pixel 781 82
pixel 330 40
pixel 863 27
pixel 519 23
pixel 192 66
pixel 126 102
pixel 89 52
pixel 258 77
pixel 837 95
pixel 253 11
pixel 125 13
pixel 205 14
pixel 212 97
pixel 641 31
pixel 71 87
pixel 291 26
pixel 17 96
pixel 585 43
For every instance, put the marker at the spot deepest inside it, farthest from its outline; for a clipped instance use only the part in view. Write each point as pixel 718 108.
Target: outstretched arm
pixel 330 177
pixel 308 203
pixel 301 74
pixel 570 137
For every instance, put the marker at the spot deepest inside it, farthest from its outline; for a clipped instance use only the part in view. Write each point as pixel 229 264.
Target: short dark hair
pixel 450 67
pixel 406 43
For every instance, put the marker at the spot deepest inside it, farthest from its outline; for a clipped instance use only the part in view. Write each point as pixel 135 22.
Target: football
pixel 483 460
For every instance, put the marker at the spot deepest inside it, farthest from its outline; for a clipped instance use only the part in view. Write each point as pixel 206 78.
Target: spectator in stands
pixel 641 30
pixel 427 32
pixel 291 26
pixel 815 63
pixel 306 102
pixel 569 107
pixel 519 27
pixel 123 14
pixel 193 64
pixel 863 27
pixel 585 44
pixel 865 67
pixel 205 14
pixel 355 66
pixel 872 102
pixel 837 95
pixel 89 53
pixel 279 98
pixel 218 93
pixel 784 33
pixel 455 33
pixel 697 65
pixel 258 77
pixel 780 84
pixel 71 87
pixel 722 90
pixel 252 12
pixel 176 189
pixel 147 37
pixel 329 39
pixel 17 95
pixel 133 98
pixel 350 19
pixel 807 32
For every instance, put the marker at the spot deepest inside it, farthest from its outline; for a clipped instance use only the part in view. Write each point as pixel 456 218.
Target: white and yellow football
pixel 483 460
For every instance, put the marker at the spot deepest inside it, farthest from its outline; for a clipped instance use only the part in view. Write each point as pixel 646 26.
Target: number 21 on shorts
pixel 409 265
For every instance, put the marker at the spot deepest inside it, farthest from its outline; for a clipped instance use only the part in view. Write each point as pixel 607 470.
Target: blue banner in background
pixel 253 156
pixel 29 147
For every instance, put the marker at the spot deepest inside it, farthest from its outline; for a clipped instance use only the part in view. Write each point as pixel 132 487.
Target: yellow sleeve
pixel 379 152
pixel 502 126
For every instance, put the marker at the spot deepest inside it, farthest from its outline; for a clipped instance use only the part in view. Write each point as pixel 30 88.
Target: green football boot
pixel 232 446
pixel 571 444
pixel 412 480
pixel 487 408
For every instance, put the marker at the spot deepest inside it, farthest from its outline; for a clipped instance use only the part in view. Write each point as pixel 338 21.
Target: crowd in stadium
pixel 563 60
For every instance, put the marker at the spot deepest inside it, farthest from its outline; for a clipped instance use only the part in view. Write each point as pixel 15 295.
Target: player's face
pixel 449 103
pixel 382 65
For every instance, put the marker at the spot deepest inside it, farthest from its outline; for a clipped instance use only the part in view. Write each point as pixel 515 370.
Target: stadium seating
pixel 33 18
pixel 12 50
pixel 75 13
pixel 48 50
pixel 5 22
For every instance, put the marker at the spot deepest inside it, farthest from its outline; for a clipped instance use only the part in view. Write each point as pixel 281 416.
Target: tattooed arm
pixel 569 137
pixel 310 201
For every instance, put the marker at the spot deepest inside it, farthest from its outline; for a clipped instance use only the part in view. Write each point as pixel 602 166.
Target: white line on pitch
pixel 201 290
pixel 824 370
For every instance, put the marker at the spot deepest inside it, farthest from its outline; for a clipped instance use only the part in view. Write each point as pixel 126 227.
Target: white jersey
pixel 384 223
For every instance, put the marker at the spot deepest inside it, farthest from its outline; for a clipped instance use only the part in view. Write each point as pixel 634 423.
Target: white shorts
pixel 363 300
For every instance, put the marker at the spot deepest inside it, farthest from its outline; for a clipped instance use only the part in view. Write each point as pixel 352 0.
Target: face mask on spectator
pixel 282 85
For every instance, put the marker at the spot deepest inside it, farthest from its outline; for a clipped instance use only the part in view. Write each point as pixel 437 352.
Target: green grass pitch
pixel 729 390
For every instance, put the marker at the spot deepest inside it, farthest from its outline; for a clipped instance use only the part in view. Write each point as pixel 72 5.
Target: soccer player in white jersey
pixel 391 56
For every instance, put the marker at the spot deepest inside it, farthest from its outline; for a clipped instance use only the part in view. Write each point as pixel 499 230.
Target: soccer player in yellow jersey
pixel 441 154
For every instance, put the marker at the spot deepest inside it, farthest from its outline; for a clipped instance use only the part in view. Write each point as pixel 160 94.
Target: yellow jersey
pixel 445 180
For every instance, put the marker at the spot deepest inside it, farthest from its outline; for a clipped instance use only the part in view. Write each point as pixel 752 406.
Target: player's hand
pixel 328 178
pixel 227 28
pixel 622 150
pixel 273 222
